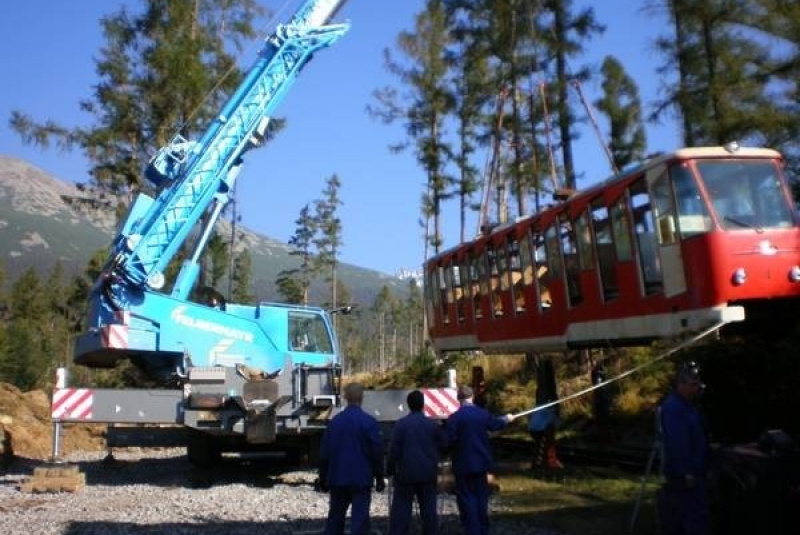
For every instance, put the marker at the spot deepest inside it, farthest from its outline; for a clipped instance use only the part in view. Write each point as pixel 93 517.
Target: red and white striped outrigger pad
pixel 72 404
pixel 115 335
pixel 440 402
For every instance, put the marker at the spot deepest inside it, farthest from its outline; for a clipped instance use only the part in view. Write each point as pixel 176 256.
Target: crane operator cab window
pixel 308 333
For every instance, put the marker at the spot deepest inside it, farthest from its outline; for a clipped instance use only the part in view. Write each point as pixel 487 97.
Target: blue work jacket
pixel 468 438
pixel 685 445
pixel 415 448
pixel 351 453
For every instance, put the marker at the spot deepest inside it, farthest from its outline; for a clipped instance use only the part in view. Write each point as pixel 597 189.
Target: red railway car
pixel 687 240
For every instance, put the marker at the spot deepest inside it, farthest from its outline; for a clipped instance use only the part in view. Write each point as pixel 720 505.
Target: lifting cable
pixel 668 353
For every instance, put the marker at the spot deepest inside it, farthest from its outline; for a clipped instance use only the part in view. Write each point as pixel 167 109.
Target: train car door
pixel 669 246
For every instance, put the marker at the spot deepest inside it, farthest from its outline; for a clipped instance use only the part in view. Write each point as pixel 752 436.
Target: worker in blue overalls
pixel 413 460
pixel 682 501
pixel 468 438
pixel 351 458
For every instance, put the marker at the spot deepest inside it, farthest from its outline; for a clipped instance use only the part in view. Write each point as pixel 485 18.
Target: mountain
pixel 42 221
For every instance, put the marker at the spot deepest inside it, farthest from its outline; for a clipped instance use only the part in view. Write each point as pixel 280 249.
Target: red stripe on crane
pixel 72 404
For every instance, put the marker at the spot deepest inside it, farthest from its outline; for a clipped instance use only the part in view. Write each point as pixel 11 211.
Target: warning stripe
pixel 440 402
pixel 115 336
pixel 72 404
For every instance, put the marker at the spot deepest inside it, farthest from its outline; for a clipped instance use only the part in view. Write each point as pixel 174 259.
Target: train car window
pixel 746 194
pixel 428 297
pixel 503 267
pixel 457 289
pixel 664 209
pixel 540 260
pixel 441 285
pixel 606 257
pixel 494 281
pixel 572 270
pixel 466 283
pixel 515 269
pixel 526 259
pixel 622 230
pixel 475 283
pixel 584 236
pixel 449 293
pixel 693 217
pixel 644 227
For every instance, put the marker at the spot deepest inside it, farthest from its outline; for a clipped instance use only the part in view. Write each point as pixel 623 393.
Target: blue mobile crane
pixel 244 375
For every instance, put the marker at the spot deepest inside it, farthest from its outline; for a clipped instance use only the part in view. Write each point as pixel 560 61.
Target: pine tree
pixel 294 283
pixel 723 92
pixel 328 239
pixel 569 31
pixel 242 278
pixel 623 109
pixel 161 72
pixel 425 110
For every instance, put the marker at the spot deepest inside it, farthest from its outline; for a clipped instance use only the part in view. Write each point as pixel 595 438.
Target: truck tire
pixel 202 451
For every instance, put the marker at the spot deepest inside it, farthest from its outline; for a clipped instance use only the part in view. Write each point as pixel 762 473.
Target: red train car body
pixel 685 241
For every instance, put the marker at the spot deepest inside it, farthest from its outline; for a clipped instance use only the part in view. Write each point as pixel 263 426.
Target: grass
pixel 571 502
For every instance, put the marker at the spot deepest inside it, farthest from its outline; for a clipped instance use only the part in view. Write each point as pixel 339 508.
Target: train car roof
pixel 727 151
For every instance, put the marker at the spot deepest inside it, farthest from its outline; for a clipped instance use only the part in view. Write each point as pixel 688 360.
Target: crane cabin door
pixel 667 235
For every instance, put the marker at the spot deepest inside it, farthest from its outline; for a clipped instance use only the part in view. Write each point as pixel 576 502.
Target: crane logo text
pixel 179 316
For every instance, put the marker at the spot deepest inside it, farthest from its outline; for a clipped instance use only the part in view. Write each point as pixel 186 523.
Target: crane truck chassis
pixel 241 376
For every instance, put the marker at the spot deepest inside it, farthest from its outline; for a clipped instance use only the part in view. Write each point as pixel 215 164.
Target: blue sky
pixel 47 51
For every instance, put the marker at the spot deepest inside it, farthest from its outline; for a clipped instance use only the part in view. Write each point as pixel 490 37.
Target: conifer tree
pixel 328 238
pixel 163 70
pixel 565 38
pixel 424 108
pixel 293 283
pixel 242 278
pixel 623 109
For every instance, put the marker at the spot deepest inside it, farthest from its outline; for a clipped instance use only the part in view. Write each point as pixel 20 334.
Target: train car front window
pixel 693 218
pixel 746 194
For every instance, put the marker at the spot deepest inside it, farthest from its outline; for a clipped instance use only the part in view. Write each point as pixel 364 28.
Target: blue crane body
pixel 242 374
pixel 128 316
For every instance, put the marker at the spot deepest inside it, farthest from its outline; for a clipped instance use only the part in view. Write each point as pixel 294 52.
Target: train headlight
pixel 739 277
pixel 794 274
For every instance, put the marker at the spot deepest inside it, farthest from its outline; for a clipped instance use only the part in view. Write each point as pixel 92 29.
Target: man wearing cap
pixel 468 437
pixel 351 457
pixel 682 501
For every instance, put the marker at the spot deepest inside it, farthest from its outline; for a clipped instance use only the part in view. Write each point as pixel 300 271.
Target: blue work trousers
pixel 342 498
pixel 402 501
pixel 683 511
pixel 472 497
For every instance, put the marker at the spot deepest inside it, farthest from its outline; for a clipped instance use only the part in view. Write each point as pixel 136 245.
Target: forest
pixel 494 81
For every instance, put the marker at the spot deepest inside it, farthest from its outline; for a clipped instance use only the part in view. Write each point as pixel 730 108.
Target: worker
pixel 468 438
pixel 542 423
pixel 351 458
pixel 601 403
pixel 413 460
pixel 682 501
pixel 542 428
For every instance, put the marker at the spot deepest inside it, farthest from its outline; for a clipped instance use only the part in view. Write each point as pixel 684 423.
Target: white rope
pixel 671 351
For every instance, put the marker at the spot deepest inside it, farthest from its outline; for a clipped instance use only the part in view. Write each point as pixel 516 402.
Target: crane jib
pixel 198 171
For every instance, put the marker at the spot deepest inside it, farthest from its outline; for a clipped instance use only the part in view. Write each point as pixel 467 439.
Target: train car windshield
pixel 746 194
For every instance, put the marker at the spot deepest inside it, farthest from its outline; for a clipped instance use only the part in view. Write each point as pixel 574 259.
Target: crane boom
pixel 195 174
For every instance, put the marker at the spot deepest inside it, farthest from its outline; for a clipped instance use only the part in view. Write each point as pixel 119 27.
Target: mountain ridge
pixel 42 221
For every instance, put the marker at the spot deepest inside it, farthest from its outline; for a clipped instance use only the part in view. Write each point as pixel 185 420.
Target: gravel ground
pixel 156 491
